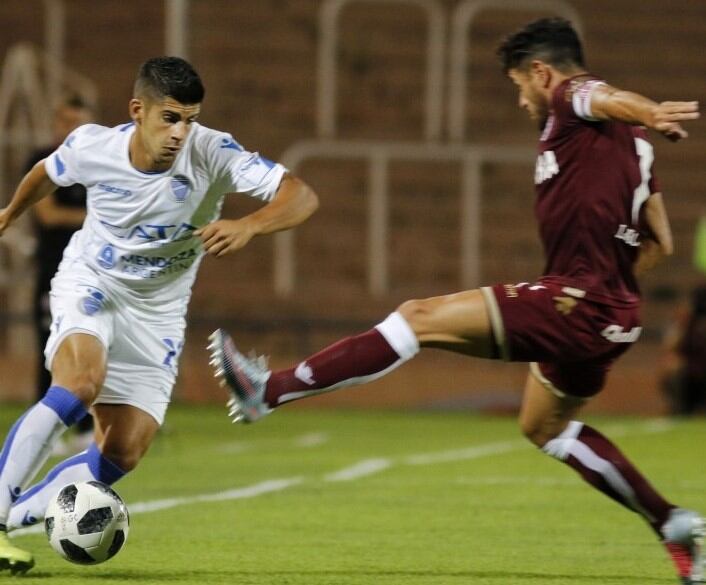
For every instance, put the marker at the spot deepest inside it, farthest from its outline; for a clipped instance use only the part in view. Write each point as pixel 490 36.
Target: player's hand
pixel 667 116
pixel 225 236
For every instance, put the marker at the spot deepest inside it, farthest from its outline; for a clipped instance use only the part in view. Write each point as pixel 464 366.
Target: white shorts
pixel 143 336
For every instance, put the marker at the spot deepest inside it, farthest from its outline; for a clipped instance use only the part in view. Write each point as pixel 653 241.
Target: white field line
pixel 304 441
pixel 251 491
pixel 311 440
pixel 473 452
pixel 361 469
pixel 369 467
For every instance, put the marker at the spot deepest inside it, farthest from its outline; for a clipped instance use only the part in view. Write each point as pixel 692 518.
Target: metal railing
pixel 379 154
pixel 329 17
pixel 462 20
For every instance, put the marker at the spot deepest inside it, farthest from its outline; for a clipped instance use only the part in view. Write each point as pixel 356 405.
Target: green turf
pixel 515 517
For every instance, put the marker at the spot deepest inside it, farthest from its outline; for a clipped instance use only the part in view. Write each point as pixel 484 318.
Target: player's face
pixel 163 126
pixel 533 97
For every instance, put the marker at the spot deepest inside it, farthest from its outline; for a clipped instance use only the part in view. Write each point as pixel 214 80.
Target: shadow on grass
pixel 203 575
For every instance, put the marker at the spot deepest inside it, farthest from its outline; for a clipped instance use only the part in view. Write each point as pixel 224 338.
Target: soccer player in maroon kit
pixel 602 221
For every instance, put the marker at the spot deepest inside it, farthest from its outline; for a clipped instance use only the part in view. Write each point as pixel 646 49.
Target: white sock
pixel 87 466
pixel 29 442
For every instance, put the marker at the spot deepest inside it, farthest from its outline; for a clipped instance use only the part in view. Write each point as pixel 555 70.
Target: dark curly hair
pixel 552 40
pixel 172 77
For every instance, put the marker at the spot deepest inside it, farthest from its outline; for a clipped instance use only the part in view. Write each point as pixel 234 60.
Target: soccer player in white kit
pixel 155 190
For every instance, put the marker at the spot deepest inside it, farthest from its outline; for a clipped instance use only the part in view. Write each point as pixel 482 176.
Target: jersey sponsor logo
pixel 232 144
pixel 617 334
pixel 512 291
pixel 181 187
pixel 14 493
pixel 106 257
pixel 630 236
pixel 158 261
pixel 546 167
pixel 156 266
pixel 304 373
pixel 565 305
pixel 152 232
pixel 28 519
pixel 93 302
pixel 116 190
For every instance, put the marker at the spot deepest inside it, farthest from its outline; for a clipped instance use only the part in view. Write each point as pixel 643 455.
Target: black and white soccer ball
pixel 87 522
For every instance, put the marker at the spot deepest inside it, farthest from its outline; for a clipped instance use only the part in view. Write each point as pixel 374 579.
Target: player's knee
pixel 416 313
pixel 537 433
pixel 85 383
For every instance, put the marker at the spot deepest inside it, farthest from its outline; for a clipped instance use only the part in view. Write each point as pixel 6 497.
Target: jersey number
pixel 546 167
pixel 646 156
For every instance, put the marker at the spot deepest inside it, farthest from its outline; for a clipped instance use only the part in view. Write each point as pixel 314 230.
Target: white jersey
pixel 139 226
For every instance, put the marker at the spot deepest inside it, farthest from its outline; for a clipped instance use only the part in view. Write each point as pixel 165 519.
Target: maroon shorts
pixel 573 341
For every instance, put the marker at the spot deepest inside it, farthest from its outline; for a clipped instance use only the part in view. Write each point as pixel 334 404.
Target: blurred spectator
pixel 684 379
pixel 56 218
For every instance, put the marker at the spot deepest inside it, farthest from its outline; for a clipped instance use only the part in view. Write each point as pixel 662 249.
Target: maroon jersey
pixel 592 178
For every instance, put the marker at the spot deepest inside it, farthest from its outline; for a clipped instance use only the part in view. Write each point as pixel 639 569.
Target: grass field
pixel 321 497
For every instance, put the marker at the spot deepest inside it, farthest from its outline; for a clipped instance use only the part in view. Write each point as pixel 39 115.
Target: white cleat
pixel 684 533
pixel 245 378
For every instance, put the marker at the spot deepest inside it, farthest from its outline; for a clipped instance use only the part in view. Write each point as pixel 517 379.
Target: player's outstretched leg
pixel 547 420
pixel 354 360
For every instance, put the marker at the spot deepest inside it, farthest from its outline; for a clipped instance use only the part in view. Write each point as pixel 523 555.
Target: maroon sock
pixel 353 360
pixel 603 465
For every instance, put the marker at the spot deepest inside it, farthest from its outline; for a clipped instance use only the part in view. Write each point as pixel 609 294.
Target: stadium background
pixel 260 61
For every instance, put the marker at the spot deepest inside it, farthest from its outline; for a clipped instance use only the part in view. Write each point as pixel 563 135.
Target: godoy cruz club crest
pixel 180 188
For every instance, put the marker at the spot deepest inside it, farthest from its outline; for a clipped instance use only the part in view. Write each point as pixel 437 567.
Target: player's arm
pixel 611 103
pixel 660 244
pixel 34 186
pixel 293 204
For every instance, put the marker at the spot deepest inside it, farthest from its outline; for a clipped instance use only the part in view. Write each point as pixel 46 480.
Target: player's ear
pixel 137 110
pixel 541 72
